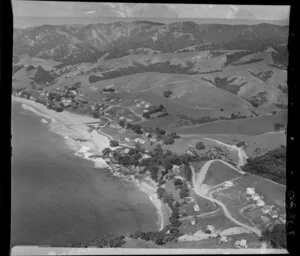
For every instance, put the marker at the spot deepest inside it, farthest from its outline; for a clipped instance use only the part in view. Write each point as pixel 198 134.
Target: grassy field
pixel 218 173
pixel 247 126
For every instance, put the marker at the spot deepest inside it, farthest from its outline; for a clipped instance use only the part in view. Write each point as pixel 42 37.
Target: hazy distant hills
pixel 71 44
pixel 213 70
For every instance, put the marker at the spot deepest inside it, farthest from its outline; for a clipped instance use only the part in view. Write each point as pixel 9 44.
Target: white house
pixel 127 139
pixel 260 202
pixel 228 184
pixel 267 208
pixel 193 222
pixel 210 228
pixel 196 208
pixel 147 106
pixel 145 110
pixel 255 196
pixel 241 243
pixel 223 239
pixel 274 214
pixel 250 191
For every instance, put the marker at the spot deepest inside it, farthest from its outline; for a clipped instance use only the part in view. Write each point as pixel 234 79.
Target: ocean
pixel 58 197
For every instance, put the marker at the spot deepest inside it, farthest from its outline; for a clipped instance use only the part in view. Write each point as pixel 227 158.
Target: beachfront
pixel 73 126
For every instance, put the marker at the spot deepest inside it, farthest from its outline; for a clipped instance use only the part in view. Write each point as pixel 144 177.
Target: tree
pixel 96 115
pixel 146 115
pixel 122 123
pixel 167 93
pixel 200 145
pixel 187 172
pixel 160 192
pixel 114 143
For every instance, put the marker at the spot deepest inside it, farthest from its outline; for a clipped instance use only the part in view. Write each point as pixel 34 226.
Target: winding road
pixel 202 191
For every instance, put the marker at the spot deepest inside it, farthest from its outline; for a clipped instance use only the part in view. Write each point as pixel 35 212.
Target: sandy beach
pixel 74 126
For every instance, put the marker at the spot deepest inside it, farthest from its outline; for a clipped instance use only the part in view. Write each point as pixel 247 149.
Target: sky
pixel 84 9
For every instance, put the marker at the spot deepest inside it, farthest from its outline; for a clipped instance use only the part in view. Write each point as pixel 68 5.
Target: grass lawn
pixel 218 172
pixel 247 126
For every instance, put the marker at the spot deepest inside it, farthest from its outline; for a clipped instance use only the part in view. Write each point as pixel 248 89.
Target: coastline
pixel 72 126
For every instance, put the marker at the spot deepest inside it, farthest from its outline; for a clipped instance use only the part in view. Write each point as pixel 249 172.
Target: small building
pixel 250 191
pixel 127 139
pixel 228 184
pixel 241 243
pixel 211 228
pixel 193 221
pixel 260 202
pixel 274 214
pixel 145 111
pixel 147 106
pixel 255 196
pixel 223 239
pixel 196 208
pixel 176 168
pixel 267 208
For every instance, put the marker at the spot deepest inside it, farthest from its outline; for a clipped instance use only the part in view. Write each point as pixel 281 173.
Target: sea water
pixel 58 197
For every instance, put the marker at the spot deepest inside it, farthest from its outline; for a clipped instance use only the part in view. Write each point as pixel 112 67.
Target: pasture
pixel 245 126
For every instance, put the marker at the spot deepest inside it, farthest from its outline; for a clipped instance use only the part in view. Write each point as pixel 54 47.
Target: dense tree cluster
pixel 271 165
pixel 275 237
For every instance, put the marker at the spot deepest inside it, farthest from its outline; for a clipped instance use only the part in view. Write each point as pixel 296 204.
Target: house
pixel 145 110
pixel 241 243
pixel 126 150
pixel 196 208
pixel 274 214
pixel 255 196
pixel 176 168
pixel 138 140
pixel 145 156
pixel 147 106
pixel 267 208
pixel 228 184
pixel 127 139
pixel 223 239
pixel 193 221
pixel 260 202
pixel 210 228
pixel 250 191
pixel 66 102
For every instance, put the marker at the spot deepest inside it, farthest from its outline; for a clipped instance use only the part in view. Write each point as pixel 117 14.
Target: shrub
pixel 200 145
pixel 167 93
pixel 114 143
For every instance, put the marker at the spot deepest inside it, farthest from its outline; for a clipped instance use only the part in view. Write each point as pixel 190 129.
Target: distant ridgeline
pixel 72 44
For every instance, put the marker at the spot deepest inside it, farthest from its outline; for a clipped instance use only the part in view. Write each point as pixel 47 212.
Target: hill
pixel 72 44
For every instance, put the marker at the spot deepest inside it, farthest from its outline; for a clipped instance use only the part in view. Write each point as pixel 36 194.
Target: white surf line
pixel 241 152
pixel 157 203
pixel 197 188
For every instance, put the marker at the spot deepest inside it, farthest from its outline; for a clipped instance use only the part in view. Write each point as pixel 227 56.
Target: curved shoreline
pixel 66 124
